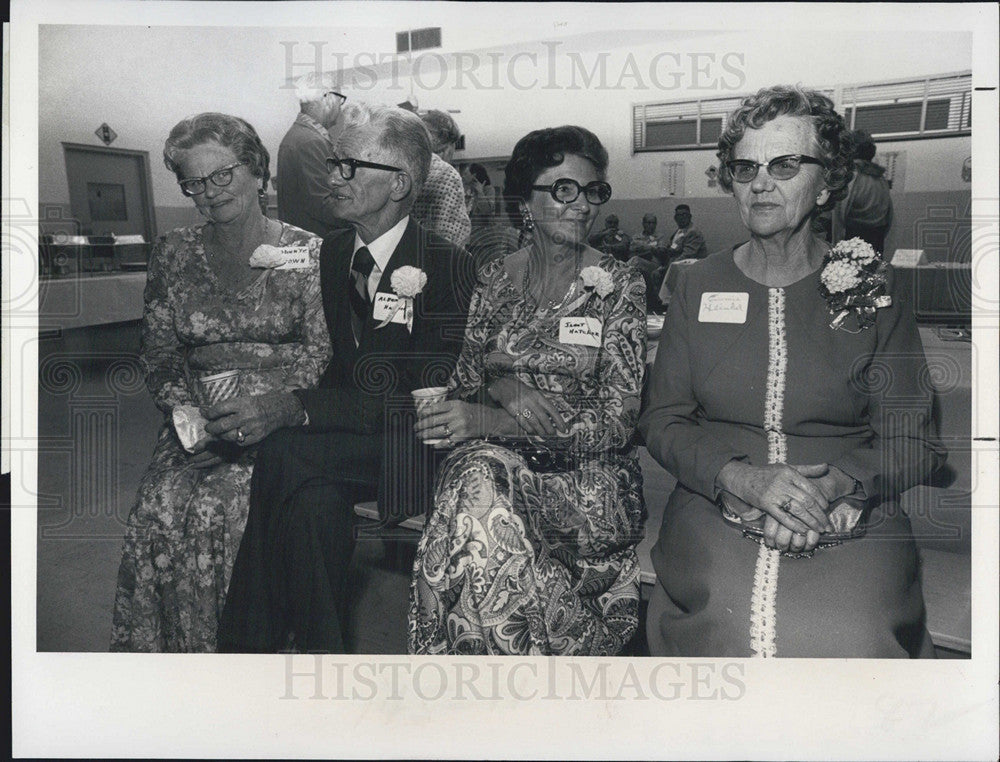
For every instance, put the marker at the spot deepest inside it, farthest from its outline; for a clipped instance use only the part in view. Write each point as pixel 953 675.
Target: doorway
pixel 110 190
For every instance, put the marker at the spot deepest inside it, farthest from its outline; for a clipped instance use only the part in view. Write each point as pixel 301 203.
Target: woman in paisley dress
pixel 531 546
pixel 207 311
pixel 791 428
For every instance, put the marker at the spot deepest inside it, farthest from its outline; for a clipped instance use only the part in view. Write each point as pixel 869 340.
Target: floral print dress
pixel 516 560
pixel 185 527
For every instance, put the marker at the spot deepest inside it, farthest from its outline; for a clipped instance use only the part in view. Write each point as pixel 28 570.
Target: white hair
pixel 402 136
pixel 313 85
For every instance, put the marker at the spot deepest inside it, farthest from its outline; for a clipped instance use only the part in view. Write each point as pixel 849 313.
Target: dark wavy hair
pixel 229 131
pixel 832 135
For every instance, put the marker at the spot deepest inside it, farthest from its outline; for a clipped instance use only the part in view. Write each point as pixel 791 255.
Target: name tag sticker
pixel 294 257
pixel 580 330
pixel 385 305
pixel 723 307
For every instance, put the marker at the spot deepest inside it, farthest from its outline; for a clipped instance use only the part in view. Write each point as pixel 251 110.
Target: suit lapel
pixel 335 280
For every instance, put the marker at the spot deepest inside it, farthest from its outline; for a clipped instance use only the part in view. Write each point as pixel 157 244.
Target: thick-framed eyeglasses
pixel 780 167
pixel 341 98
pixel 192 186
pixel 348 167
pixel 566 191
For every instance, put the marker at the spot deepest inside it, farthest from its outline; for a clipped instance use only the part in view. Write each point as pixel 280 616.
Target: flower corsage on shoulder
pixel 853 281
pixel 597 280
pixel 406 283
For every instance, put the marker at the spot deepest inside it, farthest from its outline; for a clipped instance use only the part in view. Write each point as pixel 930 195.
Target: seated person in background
pixel 792 429
pixel 208 310
pixel 866 210
pixel 611 240
pixel 440 207
pixel 531 547
pixel 649 256
pixel 351 438
pixel 687 242
pixel 492 238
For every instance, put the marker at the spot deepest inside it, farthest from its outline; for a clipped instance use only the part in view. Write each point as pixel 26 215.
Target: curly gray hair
pixel 832 135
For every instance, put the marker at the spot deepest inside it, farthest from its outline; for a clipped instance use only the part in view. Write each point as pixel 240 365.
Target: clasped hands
pixel 795 498
pixel 244 421
pixel 521 411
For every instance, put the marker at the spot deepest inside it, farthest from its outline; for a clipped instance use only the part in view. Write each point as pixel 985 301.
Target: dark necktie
pixel 361 303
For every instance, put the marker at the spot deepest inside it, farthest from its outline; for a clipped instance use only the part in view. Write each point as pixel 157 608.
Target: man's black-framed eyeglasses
pixel 192 186
pixel 348 167
pixel 780 167
pixel 566 191
pixel 341 98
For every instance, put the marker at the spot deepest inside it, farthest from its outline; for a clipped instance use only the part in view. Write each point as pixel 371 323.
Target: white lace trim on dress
pixel 765 578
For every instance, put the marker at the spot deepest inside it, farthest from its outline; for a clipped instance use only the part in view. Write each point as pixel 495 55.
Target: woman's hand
pixel 455 421
pixel 248 420
pixel 786 494
pixel 782 538
pixel 202 457
pixel 533 412
pixel 834 484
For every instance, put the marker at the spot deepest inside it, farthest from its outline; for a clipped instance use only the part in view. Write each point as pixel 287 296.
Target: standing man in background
pixel 440 207
pixel 304 196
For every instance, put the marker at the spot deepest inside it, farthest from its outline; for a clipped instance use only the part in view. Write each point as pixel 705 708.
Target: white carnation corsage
pixel 597 280
pixel 406 283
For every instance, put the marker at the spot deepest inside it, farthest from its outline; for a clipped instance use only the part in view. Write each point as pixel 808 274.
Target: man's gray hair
pixel 402 139
pixel 313 85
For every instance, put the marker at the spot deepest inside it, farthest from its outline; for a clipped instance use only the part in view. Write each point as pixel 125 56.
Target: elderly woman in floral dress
pixel 790 399
pixel 214 302
pixel 531 547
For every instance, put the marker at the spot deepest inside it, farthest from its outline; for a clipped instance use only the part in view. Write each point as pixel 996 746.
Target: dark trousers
pixel 288 587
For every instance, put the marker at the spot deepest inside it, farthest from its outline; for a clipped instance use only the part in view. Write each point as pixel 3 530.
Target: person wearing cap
pixel 304 198
pixel 440 207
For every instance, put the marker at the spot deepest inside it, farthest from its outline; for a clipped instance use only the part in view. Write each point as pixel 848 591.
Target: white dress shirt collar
pixel 381 250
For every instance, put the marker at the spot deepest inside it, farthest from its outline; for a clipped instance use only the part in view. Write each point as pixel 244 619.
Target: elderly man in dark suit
pixel 351 438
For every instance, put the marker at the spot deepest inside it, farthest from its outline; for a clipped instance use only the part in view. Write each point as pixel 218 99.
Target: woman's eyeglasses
pixel 341 98
pixel 780 167
pixel 566 191
pixel 192 186
pixel 348 167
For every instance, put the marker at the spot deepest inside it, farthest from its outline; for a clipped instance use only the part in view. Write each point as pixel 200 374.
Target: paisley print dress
pixel 186 524
pixel 519 558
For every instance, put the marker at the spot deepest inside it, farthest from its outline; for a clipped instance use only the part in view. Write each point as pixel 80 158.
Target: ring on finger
pixel 447 430
pixel 240 436
pixel 526 414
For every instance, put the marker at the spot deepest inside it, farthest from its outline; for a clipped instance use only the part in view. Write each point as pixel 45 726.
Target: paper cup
pixel 428 396
pixel 219 387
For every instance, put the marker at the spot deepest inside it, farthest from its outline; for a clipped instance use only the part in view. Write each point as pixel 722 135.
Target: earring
pixel 527 221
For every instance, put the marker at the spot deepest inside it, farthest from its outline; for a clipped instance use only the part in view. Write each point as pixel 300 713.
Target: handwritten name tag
pixel 580 330
pixel 723 307
pixel 385 305
pixel 294 258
